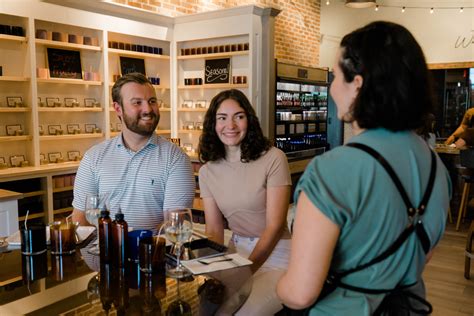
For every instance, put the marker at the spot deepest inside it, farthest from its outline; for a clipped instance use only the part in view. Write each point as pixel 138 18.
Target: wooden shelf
pixel 4 139
pixel 216 55
pixel 70 81
pixel 14 38
pixel 14 78
pixel 63 210
pixel 165 109
pixel 214 86
pixel 158 132
pixel 14 110
pixel 70 137
pixel 67 45
pixel 123 52
pixel 163 131
pixel 192 110
pixel 193 131
pixel 34 193
pixel 69 188
pixel 74 109
pixel 157 87
pixel 31 216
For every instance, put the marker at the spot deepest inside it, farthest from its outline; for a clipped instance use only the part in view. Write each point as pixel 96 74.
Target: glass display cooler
pixel 304 127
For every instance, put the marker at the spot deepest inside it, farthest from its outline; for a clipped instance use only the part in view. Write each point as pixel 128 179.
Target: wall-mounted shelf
pixel 4 139
pixel 67 45
pixel 123 52
pixel 215 86
pixel 192 131
pixel 14 110
pixel 63 210
pixel 216 55
pixel 70 81
pixel 13 78
pixel 63 189
pixel 192 110
pixel 14 38
pixel 70 137
pixel 74 109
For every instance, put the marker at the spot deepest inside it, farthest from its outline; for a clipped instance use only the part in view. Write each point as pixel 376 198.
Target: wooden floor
pixel 447 289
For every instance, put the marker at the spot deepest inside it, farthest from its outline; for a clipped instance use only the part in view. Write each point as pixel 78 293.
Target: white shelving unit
pixel 105 23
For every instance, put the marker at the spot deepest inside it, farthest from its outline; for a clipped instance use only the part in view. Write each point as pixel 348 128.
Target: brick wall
pixel 297 27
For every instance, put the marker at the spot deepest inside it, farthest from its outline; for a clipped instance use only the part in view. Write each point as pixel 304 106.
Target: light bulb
pixel 376 8
pixel 403 10
pixel 432 10
pixel 461 10
pixel 327 2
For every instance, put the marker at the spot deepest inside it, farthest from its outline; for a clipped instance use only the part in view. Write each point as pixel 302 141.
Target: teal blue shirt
pixel 354 191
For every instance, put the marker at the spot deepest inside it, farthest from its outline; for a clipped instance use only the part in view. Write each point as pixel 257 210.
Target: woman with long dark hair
pixel 246 181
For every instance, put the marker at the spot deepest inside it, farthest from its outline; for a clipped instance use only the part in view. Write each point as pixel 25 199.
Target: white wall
pixel 437 33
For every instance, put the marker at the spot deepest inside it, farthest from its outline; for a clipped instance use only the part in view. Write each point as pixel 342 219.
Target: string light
pixel 404 8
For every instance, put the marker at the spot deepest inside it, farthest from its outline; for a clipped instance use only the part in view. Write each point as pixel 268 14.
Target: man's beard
pixel 144 130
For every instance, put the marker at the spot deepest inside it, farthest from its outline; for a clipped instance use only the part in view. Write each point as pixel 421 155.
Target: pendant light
pixel 358 4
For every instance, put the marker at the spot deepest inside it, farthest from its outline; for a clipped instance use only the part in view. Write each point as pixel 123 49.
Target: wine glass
pixel 178 229
pixel 94 204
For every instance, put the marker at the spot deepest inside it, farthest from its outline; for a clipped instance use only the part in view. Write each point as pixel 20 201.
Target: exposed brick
pixel 297 17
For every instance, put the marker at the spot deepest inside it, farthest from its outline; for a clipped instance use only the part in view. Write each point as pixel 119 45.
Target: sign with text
pixel 64 63
pixel 128 65
pixel 217 71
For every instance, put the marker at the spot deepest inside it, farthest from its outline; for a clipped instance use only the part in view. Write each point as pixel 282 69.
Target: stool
pixel 468 176
pixel 469 253
pixel 467 173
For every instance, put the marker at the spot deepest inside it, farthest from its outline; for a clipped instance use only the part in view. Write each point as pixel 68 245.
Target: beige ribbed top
pixel 239 189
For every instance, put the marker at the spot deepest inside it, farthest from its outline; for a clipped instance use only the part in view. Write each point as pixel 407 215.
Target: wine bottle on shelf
pixel 120 240
pixel 105 237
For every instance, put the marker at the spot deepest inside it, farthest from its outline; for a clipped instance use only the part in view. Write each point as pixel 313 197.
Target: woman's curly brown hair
pixel 252 146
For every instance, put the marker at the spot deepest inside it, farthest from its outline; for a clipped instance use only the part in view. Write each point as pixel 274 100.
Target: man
pixel 467 122
pixel 141 173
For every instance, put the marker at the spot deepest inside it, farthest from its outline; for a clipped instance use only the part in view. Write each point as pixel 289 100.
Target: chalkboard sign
pixel 64 63
pixel 217 71
pixel 128 65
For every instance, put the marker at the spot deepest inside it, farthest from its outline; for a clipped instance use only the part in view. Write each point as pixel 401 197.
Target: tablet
pixel 200 248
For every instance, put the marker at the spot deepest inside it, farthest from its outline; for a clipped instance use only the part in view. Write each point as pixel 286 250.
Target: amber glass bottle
pixel 120 240
pixel 105 237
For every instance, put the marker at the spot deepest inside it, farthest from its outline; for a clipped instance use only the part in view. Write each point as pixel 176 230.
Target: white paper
pixel 199 268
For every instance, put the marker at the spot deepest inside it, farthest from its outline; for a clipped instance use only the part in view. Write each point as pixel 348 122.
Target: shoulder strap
pixel 418 227
pixel 411 209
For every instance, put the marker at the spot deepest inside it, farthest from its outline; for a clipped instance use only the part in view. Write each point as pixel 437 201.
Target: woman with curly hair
pixel 246 181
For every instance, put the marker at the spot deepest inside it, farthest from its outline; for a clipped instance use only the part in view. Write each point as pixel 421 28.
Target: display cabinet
pixel 70 95
pixel 206 67
pixel 301 106
pixel 60 63
pixel 128 53
pixel 15 93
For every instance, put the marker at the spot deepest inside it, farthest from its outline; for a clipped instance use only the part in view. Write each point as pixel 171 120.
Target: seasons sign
pixel 217 71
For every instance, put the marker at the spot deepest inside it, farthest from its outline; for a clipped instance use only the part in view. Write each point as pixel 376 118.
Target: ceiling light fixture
pixel 359 4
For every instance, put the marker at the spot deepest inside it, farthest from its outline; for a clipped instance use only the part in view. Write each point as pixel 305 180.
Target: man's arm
pixel 80 216
pixel 456 134
pixel 180 186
